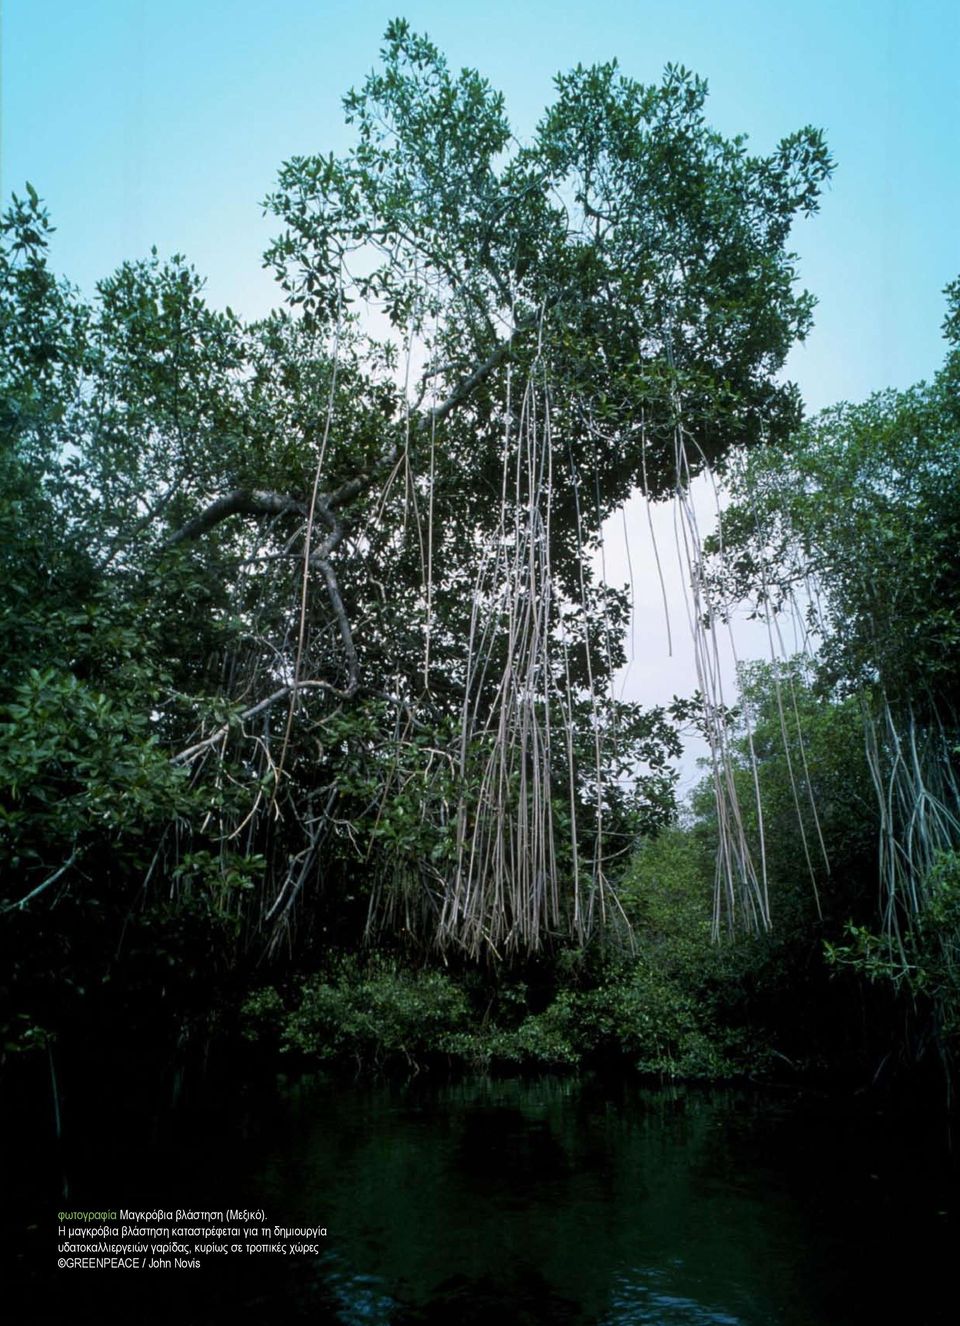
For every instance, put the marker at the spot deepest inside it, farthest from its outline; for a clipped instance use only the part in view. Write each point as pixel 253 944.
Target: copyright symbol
pixel 62 1262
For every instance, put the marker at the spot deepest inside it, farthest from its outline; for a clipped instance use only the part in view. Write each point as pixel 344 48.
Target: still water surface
pixel 527 1203
pixel 555 1201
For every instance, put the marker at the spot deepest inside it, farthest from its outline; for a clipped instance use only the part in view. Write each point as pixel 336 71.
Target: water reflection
pixel 543 1202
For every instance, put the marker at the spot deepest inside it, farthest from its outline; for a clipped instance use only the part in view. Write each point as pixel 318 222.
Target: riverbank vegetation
pixel 309 732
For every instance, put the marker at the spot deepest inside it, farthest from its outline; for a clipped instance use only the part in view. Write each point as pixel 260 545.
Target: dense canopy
pixel 303 611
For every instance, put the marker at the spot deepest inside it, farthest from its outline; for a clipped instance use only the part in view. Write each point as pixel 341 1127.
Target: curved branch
pixel 340 612
pixel 241 501
pixel 473 380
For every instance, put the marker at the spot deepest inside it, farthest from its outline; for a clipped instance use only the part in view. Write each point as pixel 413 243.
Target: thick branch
pixel 466 385
pixel 340 612
pixel 242 502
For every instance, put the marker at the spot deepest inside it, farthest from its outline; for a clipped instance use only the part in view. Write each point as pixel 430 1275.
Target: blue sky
pixel 163 122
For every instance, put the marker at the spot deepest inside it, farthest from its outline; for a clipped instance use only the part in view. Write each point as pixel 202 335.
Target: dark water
pixel 528 1202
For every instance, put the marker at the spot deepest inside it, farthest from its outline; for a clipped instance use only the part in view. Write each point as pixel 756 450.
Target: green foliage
pixel 372 1017
pixel 767 1002
pixel 642 1015
pixel 665 898
pixel 805 793
pixel 638 254
pixel 73 763
pixel 865 501
pixel 632 1013
pixel 855 524
pixel 927 966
